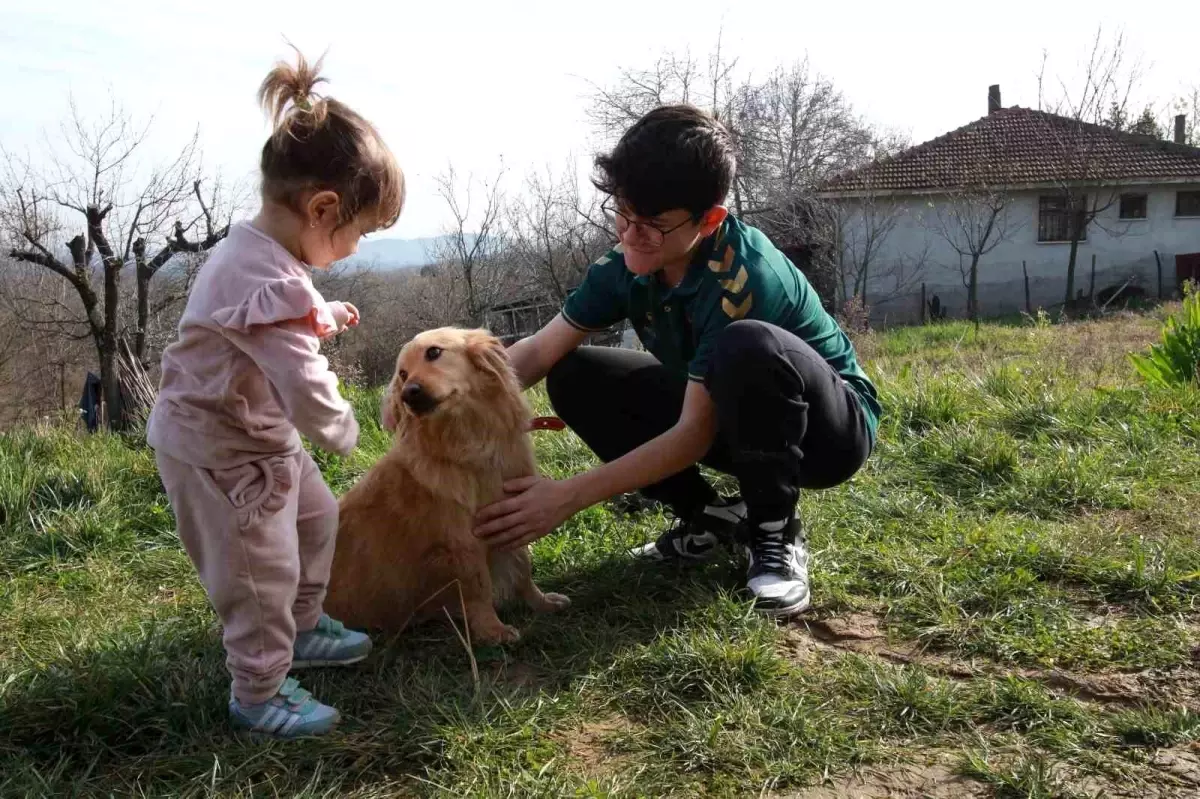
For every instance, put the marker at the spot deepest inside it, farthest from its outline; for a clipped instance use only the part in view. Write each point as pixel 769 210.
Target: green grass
pixel 1031 510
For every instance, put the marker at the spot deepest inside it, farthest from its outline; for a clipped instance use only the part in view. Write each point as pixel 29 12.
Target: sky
pixel 491 85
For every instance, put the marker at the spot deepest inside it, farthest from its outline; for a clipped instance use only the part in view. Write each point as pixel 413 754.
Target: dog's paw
pixel 503 634
pixel 555 602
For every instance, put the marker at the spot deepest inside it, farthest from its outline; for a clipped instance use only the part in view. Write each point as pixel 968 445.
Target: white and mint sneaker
pixel 778 573
pixel 696 538
pixel 291 713
pixel 329 644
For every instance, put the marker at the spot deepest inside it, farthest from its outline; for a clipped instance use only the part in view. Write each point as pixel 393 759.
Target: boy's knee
pixel 743 346
pixel 562 381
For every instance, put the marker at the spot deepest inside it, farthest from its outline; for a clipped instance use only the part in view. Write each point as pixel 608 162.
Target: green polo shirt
pixel 737 274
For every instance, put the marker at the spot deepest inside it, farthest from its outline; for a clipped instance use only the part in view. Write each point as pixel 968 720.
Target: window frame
pixel 1145 206
pixel 1178 203
pixel 1066 212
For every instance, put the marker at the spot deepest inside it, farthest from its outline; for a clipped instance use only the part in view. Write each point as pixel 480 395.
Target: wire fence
pixel 1010 288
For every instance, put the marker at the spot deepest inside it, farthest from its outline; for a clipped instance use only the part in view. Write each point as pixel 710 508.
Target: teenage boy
pixel 744 372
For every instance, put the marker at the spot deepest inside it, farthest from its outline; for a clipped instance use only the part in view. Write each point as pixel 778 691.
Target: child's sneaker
pixel 291 713
pixel 329 644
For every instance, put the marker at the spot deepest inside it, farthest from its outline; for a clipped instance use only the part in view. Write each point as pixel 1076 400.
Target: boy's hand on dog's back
pixel 536 506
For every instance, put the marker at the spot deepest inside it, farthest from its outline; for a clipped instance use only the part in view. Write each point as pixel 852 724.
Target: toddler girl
pixel 245 377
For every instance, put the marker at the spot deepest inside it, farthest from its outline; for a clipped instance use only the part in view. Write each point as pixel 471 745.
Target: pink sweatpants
pixel 261 537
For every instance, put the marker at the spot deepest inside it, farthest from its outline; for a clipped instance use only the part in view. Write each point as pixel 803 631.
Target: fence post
pixel 1158 263
pixel 1092 287
pixel 1028 304
pixel 924 307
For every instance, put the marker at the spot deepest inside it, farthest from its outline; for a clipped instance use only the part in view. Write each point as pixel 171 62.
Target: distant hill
pixel 374 252
pixel 397 253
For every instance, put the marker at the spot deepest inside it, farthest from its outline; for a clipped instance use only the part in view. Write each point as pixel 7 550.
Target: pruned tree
pixel 472 245
pixel 973 221
pixel 864 226
pixel 1079 115
pixel 95 184
pixel 973 215
pixel 212 217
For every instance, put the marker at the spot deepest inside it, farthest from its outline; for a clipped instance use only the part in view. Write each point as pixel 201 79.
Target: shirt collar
pixel 691 279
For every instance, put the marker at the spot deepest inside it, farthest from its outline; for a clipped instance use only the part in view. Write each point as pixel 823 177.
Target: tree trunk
pixel 472 311
pixel 1092 284
pixel 973 290
pixel 143 313
pixel 1071 273
pixel 109 381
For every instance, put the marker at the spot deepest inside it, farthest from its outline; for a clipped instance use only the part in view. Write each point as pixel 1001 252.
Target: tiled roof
pixel 1019 146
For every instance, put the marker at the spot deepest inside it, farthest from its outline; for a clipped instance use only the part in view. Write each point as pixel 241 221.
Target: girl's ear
pixel 322 208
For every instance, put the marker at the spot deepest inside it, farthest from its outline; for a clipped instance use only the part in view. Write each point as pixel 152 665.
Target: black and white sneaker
pixel 696 538
pixel 778 573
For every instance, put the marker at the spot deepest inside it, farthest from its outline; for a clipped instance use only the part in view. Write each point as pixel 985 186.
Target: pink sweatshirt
pixel 246 372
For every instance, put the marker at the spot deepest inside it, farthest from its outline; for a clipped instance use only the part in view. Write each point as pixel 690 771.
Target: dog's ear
pixel 391 415
pixel 488 355
pixel 387 411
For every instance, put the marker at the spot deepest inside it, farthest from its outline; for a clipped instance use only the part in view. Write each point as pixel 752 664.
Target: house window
pixel 1054 218
pixel 1187 203
pixel 1133 206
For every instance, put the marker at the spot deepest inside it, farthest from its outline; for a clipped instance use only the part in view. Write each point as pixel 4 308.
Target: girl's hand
pixel 344 315
pixel 540 505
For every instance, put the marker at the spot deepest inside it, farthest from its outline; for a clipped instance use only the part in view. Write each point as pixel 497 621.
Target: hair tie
pixel 303 103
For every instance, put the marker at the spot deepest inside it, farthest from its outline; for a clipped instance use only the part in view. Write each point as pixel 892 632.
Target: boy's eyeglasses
pixel 653 234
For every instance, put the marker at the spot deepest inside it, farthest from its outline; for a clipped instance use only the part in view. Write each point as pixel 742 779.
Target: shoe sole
pixel 790 610
pixel 315 664
pixel 261 736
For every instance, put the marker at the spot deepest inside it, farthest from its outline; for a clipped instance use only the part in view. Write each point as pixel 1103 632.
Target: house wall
pixel 908 248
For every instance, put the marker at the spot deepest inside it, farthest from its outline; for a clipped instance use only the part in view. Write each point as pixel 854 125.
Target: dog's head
pixel 447 370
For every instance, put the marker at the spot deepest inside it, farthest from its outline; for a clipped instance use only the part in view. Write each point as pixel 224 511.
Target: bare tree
pixel 473 243
pixel 680 78
pixel 791 130
pixel 96 181
pixel 973 217
pixel 1078 117
pixel 864 227
pixel 551 238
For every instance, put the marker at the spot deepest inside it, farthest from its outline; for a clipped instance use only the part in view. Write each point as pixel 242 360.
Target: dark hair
pixel 676 156
pixel 321 144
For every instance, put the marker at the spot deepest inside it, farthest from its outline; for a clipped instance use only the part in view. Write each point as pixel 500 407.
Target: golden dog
pixel 405 546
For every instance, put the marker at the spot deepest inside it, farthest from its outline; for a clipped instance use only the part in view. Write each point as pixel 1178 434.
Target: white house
pixel 1007 191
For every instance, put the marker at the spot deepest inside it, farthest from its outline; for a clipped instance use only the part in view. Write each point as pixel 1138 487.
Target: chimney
pixel 994 99
pixel 1180 122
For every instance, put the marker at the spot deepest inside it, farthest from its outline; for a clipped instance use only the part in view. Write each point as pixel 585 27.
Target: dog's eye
pixel 433 353
pixel 403 375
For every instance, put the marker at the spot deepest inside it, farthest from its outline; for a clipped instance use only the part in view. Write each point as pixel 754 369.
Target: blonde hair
pixel 320 144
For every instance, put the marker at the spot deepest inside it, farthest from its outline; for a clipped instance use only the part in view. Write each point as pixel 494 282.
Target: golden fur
pixel 405 546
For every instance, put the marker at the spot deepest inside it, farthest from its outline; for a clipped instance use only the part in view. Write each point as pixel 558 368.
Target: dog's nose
pixel 411 392
pixel 416 397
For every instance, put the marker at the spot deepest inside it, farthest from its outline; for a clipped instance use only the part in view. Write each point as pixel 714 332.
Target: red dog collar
pixel 547 423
